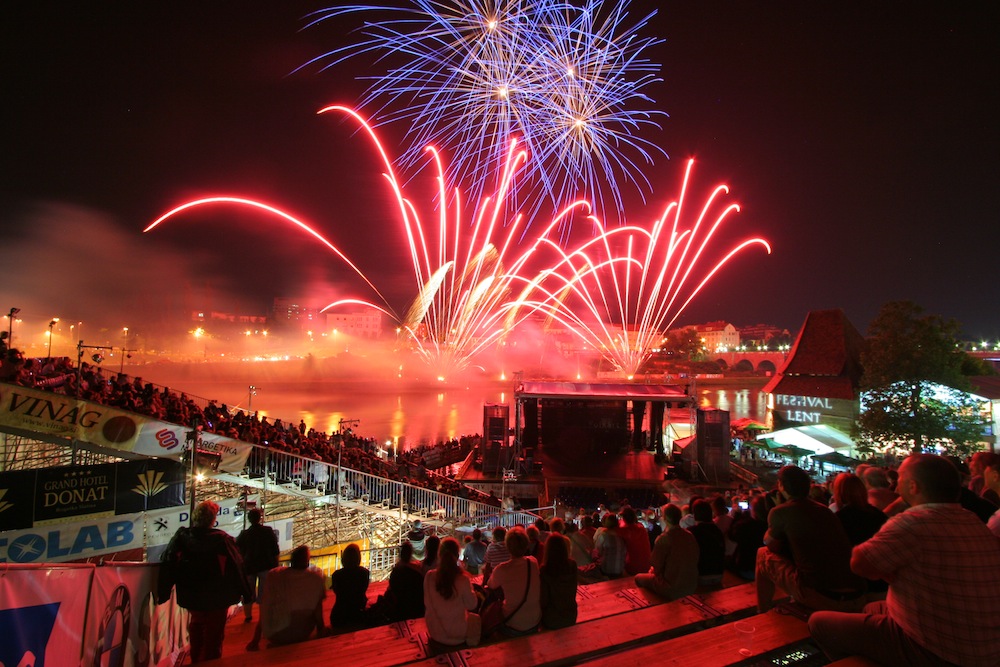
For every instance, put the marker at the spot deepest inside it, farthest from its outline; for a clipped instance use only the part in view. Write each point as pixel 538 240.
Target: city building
pixel 755 335
pixel 718 336
pixel 818 385
pixel 360 324
pixel 298 313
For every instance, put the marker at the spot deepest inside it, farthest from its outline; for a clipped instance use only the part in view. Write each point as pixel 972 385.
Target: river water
pixel 405 413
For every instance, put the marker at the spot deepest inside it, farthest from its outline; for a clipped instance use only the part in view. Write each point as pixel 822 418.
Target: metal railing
pixel 292 471
pixel 742 474
pixel 379 562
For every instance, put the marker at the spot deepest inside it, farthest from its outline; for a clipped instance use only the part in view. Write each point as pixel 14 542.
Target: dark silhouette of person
pixel 259 547
pixel 205 566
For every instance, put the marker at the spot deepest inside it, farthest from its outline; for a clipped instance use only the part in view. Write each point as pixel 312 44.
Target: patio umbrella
pixel 747 424
pixel 837 459
pixel 793 451
pixel 766 443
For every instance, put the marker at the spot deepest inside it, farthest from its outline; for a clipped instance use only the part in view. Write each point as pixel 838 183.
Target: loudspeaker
pixel 496 418
pixel 714 443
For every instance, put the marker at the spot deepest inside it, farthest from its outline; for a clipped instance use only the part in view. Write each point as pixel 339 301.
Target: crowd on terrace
pixel 90 382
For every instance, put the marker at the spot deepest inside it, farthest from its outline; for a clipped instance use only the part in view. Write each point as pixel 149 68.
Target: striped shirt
pixel 496 553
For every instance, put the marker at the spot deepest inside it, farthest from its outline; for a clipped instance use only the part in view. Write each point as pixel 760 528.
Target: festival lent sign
pixel 31 411
pixel 809 410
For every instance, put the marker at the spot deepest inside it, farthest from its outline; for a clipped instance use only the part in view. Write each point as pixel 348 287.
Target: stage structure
pixel 704 455
pixel 594 420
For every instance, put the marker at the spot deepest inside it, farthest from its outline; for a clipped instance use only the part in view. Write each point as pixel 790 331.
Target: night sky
pixel 862 139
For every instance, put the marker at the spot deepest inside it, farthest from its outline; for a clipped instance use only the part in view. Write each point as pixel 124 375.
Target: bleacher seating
pixel 617 624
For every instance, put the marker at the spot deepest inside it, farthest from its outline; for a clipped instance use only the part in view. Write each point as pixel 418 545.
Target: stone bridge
pixel 989 356
pixel 766 360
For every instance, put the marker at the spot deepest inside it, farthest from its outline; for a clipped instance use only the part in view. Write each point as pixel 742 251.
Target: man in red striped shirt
pixel 943 569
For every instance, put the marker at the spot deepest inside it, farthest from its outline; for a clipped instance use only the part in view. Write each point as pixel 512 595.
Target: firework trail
pixel 620 291
pixel 468 75
pixel 463 272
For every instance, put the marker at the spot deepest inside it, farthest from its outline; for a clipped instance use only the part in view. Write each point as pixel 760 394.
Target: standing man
pixel 259 547
pixel 205 566
pixel 943 569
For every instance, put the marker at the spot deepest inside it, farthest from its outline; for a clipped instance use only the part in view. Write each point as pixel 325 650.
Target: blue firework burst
pixel 467 75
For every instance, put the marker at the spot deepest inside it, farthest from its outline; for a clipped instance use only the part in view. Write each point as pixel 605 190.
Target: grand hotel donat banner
pixel 31 411
pixel 47 496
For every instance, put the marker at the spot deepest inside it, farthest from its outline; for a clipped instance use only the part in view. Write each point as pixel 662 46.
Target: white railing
pixel 325 479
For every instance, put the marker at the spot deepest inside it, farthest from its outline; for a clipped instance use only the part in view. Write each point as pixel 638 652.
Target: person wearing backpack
pixel 206 568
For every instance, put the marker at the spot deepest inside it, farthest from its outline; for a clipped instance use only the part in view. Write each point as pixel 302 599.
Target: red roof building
pixel 819 382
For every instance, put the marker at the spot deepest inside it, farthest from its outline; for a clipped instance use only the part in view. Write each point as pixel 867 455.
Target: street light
pixel 55 320
pixel 10 326
pixel 125 351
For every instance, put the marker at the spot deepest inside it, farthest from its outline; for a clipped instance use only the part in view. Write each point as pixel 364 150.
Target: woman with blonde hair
pixel 859 517
pixel 521 609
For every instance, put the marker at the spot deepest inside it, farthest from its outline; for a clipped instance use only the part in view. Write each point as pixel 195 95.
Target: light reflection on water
pixel 414 415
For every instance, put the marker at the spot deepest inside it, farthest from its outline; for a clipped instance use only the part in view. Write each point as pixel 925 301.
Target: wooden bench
pixel 855 661
pixel 715 647
pixel 600 629
pixel 609 598
pixel 728 604
pixel 393 644
pixel 588 640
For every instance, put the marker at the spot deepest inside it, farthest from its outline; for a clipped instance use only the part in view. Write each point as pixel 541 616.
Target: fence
pixel 378 560
pixel 327 479
pixel 742 474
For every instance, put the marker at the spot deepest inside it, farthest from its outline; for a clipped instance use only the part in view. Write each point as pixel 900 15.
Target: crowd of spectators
pixel 363 454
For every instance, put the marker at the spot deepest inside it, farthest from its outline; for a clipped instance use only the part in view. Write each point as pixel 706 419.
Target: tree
pixel 913 388
pixel 683 343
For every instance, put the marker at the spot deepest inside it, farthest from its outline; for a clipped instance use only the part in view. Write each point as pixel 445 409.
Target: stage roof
pixel 587 390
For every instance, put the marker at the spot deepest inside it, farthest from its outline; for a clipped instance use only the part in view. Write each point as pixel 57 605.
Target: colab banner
pixel 67 616
pixel 26 410
pixel 68 493
pixel 72 541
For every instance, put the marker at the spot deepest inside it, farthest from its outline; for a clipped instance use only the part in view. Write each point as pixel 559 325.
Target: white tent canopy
pixel 819 439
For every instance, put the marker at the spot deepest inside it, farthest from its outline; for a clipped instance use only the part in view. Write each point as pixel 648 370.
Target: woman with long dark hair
pixel 558 575
pixel 448 598
pixel 859 517
pixel 431 546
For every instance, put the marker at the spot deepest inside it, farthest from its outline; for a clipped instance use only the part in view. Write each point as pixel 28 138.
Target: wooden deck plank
pixel 714 647
pixel 855 661
pixel 391 643
pixel 600 628
pixel 732 602
pixel 566 646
